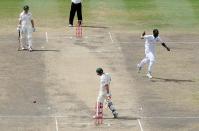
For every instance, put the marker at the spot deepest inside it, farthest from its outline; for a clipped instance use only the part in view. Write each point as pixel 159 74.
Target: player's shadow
pixel 158 79
pixel 124 118
pixel 47 50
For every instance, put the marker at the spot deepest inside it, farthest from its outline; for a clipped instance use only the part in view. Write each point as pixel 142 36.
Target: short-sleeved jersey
pixel 25 19
pixel 105 79
pixel 150 41
pixel 76 1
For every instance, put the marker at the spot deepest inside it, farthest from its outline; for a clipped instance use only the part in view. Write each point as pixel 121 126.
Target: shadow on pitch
pixel 124 118
pixel 156 79
pixel 40 50
pixel 47 50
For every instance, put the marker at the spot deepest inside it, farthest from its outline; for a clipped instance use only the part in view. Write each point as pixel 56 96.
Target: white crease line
pixel 88 35
pixel 88 124
pixel 141 128
pixel 64 37
pixel 71 37
pixel 42 116
pixel 65 116
pixel 46 37
pixel 170 117
pixel 183 42
pixel 177 42
pixel 56 124
pixel 119 48
pixel 104 51
pixel 111 37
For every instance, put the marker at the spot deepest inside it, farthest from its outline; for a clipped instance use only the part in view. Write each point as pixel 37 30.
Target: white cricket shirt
pixel 105 79
pixel 150 41
pixel 76 1
pixel 25 19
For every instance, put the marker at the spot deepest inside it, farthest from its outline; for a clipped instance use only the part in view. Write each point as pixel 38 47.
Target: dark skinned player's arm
pixel 33 24
pixel 165 46
pixel 143 34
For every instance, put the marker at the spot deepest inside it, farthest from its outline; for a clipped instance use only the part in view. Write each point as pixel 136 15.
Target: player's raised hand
pixel 108 96
pixel 144 33
pixel 163 44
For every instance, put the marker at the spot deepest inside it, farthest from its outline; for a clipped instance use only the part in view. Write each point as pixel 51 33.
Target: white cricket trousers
pixel 100 100
pixel 149 59
pixel 26 37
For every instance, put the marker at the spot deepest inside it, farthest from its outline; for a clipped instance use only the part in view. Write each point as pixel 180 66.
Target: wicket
pixel 79 29
pixel 99 113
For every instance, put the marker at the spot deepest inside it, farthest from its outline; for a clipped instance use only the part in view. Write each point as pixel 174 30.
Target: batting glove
pixel 108 96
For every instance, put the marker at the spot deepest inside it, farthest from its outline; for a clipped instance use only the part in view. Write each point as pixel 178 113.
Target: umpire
pixel 76 6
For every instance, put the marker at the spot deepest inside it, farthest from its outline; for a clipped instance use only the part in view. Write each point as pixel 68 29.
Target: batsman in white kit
pixel 25 28
pixel 104 94
pixel 150 41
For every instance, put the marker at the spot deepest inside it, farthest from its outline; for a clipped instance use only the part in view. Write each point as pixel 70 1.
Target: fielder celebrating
pixel 149 59
pixel 104 94
pixel 26 27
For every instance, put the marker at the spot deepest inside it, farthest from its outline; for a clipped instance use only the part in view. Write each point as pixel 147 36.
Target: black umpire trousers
pixel 75 8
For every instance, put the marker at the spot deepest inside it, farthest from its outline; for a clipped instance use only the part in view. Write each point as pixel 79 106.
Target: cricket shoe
pixel 23 48
pixel 70 25
pixel 149 75
pixel 30 49
pixel 139 68
pixel 115 115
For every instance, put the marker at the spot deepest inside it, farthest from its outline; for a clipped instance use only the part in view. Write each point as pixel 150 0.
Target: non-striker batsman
pixel 26 27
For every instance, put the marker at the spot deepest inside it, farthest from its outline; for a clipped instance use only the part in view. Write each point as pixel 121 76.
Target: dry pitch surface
pixel 60 76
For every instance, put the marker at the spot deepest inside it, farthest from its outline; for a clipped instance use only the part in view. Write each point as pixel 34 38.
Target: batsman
pixel 104 94
pixel 25 28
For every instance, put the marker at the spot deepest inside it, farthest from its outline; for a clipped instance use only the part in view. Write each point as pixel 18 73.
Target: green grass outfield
pixel 182 15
